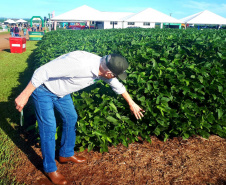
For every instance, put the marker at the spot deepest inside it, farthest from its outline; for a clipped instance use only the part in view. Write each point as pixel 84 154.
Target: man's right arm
pixel 22 99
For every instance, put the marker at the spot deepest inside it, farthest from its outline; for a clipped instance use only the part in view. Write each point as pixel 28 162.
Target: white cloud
pixel 221 8
pixel 197 5
pixel 217 7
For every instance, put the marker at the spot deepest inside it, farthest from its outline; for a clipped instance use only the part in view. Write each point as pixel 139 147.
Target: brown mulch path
pixel 195 161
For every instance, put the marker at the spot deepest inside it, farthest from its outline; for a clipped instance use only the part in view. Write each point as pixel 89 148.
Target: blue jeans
pixel 45 102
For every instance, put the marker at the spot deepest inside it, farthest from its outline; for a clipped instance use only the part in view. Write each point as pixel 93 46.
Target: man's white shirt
pixel 72 72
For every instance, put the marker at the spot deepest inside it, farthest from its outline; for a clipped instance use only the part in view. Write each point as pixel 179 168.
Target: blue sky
pixel 177 8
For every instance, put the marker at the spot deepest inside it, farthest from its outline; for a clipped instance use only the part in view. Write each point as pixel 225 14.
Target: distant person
pixel 4 27
pixel 25 31
pixel 12 31
pixel 16 31
pixel 20 28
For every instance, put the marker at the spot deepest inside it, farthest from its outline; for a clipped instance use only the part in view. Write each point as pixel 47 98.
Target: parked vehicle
pixel 80 26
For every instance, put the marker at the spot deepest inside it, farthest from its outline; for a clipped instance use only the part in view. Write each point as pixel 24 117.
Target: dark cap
pixel 117 64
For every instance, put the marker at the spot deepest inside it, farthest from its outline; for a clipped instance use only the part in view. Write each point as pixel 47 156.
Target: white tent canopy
pixel 115 16
pixel 151 15
pixel 83 13
pixel 204 17
pixel 86 13
pixel 10 21
pixel 21 21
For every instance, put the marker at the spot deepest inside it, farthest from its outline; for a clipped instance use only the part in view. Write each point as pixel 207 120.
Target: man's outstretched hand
pixel 136 110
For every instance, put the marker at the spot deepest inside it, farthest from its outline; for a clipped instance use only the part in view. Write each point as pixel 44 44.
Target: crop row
pixel 177 76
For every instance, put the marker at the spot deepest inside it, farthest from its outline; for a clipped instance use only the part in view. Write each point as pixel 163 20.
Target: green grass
pixel 3 33
pixel 16 70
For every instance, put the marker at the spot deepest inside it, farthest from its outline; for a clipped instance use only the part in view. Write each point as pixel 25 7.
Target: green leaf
pixel 125 143
pixel 118 116
pixel 214 96
pixel 155 65
pixel 81 149
pixel 219 54
pixel 166 137
pixel 112 120
pixel 96 110
pixel 109 139
pixel 165 99
pixel 220 88
pixel 200 78
pixel 186 135
pixel 220 113
pixel 90 147
pixel 157 131
pixel 178 56
pixel 158 99
pixel 149 87
pixel 113 106
pixel 204 134
pixel 142 99
pixel 97 133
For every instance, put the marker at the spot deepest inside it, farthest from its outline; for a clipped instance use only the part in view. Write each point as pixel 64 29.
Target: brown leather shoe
pixel 74 159
pixel 56 178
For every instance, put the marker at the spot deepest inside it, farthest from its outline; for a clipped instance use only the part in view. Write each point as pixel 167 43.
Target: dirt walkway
pixel 4 40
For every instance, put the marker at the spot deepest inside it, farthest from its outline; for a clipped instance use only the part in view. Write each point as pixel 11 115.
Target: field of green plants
pixel 177 76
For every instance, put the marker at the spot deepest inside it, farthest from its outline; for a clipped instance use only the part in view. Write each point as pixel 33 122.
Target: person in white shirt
pixel 51 86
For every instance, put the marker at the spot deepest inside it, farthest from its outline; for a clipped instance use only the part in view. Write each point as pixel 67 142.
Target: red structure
pixel 17 44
